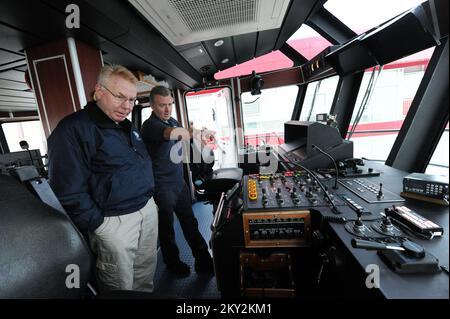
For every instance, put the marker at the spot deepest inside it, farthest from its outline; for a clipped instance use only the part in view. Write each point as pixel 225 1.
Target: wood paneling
pixel 53 79
pixel 59 93
pixel 90 65
pixel 56 94
pixel 275 79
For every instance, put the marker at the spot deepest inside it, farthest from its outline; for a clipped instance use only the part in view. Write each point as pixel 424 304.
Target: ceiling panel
pixel 8 57
pixel 31 23
pixel 17 107
pixel 27 94
pixel 198 57
pixel 266 42
pixel 149 46
pixel 34 18
pixel 13 75
pixel 193 21
pixel 244 46
pixel 115 27
pixel 22 68
pixel 115 55
pixel 107 19
pixel 17 99
pixel 223 56
pixel 16 40
pixel 13 65
pixel 13 85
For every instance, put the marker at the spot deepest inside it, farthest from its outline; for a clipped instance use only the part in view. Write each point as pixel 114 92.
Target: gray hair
pixel 109 71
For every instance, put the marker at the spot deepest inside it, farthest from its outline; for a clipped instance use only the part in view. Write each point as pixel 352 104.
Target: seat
pixel 42 255
pixel 222 179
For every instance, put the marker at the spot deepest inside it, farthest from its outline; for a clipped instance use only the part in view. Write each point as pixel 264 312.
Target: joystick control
pixel 385 227
pixel 380 194
pixel 358 228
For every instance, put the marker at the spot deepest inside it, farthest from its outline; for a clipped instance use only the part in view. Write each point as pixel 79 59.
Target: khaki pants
pixel 126 248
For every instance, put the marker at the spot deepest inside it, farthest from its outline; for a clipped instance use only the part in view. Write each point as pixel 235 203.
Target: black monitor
pixel 300 137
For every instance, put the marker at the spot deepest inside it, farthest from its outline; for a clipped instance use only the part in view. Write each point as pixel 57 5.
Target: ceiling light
pixel 226 60
pixel 218 43
pixel 193 52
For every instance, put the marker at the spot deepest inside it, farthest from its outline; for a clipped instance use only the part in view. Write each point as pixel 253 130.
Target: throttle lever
pixel 409 247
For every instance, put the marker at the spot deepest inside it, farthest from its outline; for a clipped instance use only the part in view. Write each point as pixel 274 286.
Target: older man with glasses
pixel 101 172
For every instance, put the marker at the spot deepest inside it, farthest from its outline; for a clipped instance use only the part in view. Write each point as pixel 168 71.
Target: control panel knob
pixel 289 233
pixel 264 194
pixel 278 197
pixel 272 234
pixel 264 234
pixel 294 193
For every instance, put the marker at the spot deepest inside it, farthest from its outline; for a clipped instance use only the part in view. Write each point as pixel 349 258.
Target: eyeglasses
pixel 120 99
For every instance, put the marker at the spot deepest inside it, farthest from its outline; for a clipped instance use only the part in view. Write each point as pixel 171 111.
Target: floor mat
pixel 194 286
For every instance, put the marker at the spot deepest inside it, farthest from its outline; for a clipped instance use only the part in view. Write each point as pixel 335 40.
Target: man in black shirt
pixel 161 133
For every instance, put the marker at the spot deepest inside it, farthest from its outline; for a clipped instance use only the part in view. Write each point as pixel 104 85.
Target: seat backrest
pixel 42 254
pixel 213 182
pixel 222 179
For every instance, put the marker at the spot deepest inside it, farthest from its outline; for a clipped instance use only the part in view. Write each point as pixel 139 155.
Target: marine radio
pixel 426 185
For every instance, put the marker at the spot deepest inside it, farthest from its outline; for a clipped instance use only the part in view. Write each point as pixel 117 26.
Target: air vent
pixel 200 16
pixel 190 21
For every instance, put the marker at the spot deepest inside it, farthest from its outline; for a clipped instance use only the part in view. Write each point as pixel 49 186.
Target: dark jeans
pixel 178 201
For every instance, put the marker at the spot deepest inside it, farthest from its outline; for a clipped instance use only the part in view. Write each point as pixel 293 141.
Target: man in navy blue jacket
pixel 161 133
pixel 101 172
